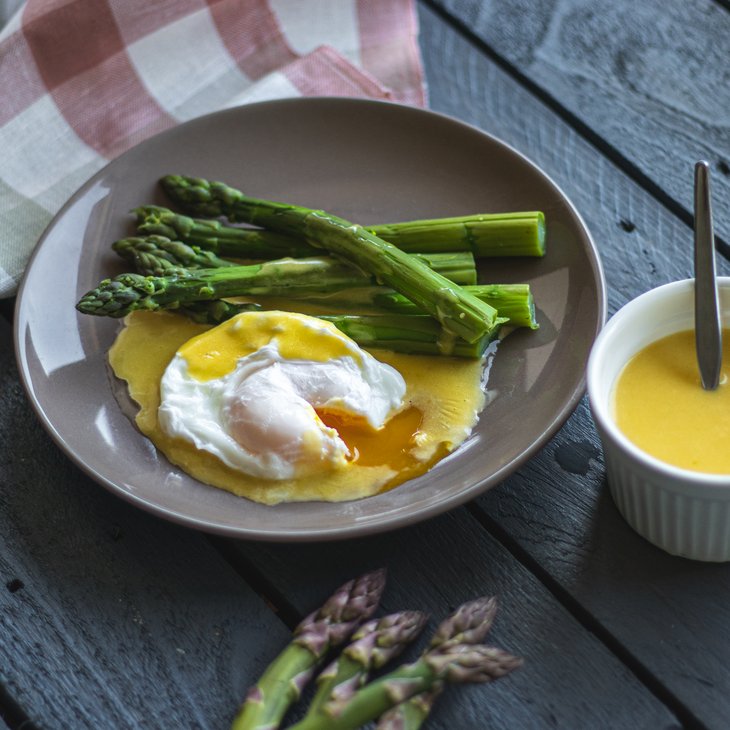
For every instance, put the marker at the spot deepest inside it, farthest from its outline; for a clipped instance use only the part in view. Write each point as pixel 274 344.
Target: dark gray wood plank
pixel 569 680
pixel 649 78
pixel 664 612
pixel 110 617
pixel 7 308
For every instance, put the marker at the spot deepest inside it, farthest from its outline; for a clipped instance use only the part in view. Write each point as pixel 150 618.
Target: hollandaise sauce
pixel 443 398
pixel 660 405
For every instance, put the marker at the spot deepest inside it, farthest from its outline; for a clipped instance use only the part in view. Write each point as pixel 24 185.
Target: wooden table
pixel 110 617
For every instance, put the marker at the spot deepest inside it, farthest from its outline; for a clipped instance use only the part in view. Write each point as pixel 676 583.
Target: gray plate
pixel 366 161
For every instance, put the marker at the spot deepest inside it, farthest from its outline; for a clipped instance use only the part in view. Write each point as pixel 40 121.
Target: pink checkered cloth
pixel 81 81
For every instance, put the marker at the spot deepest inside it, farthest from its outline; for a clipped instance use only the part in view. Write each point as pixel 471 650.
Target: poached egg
pixel 250 392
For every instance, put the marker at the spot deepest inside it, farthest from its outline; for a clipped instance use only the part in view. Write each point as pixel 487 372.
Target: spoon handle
pixel 708 330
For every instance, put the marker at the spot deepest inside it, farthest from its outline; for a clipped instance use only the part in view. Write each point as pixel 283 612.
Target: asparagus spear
pixel 374 644
pixel 282 682
pixel 159 256
pixel 513 301
pixel 453 655
pixel 469 624
pixel 241 243
pixel 460 663
pixel 486 234
pixel 412 713
pixel 408 333
pixel 457 310
pixel 285 277
pixel 217 311
pixel 412 334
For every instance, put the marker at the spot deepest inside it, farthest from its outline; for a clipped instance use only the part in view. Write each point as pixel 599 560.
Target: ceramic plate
pixel 365 161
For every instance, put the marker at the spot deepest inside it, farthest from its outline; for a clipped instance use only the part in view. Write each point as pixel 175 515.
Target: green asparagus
pixel 460 663
pixel 514 302
pixel 411 714
pixel 411 334
pixel 457 310
pixel 160 256
pixel 285 277
pixel 282 682
pixel 469 624
pixel 240 243
pixel 374 644
pixel 217 311
pixel 487 234
pixel 453 655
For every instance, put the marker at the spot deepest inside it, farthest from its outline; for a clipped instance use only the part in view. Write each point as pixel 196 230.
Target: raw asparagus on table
pixel 486 234
pixel 285 277
pixel 411 714
pixel 469 624
pixel 283 680
pixel 403 698
pixel 459 664
pixel 344 699
pixel 158 256
pixel 373 645
pixel 457 310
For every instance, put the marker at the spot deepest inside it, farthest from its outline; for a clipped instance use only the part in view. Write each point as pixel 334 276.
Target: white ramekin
pixel 684 512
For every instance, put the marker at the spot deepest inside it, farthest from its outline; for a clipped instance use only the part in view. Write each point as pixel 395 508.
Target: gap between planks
pixel 258 582
pixel 11 713
pixel 580 127
pixel 584 618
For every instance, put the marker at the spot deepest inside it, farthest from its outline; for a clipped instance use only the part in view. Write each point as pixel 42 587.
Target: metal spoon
pixel 708 329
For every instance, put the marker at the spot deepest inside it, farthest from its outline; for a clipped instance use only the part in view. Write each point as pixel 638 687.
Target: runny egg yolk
pixel 442 400
pixel 390 445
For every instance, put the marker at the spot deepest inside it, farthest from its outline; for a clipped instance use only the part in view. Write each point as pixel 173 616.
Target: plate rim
pixel 340 532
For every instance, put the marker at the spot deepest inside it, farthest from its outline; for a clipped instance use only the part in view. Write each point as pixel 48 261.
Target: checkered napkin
pixel 81 81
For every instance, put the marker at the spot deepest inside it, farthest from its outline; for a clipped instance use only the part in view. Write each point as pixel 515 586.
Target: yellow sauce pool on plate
pixel 442 403
pixel 660 405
